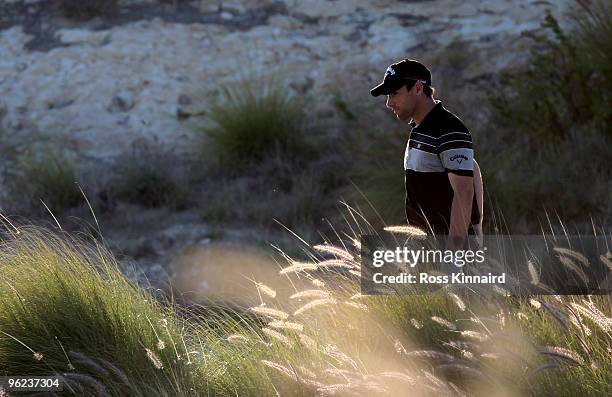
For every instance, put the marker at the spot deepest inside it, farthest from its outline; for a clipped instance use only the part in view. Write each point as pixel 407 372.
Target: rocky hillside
pixel 137 73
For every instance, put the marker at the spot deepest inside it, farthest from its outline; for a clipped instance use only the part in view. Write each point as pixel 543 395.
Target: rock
pixel 184 100
pixel 325 114
pixel 86 85
pixel 206 6
pixel 234 7
pixel 285 22
pixel 122 102
pixel 60 103
pixel 82 36
pixel 139 248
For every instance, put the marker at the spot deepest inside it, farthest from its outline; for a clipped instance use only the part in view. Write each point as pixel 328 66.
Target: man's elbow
pixel 463 185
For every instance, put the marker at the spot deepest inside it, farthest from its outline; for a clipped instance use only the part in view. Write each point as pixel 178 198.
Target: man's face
pixel 402 102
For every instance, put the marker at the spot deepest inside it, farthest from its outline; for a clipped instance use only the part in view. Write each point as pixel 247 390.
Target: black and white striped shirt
pixel 439 145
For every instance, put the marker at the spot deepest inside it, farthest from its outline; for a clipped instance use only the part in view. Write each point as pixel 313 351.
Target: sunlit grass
pixel 68 310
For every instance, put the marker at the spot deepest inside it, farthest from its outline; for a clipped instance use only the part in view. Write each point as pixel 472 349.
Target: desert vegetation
pixel 142 177
pixel 264 160
pixel 68 311
pixel 87 9
pixel 557 105
pixel 38 175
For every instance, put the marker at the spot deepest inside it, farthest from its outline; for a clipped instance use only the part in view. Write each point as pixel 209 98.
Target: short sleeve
pixel 456 152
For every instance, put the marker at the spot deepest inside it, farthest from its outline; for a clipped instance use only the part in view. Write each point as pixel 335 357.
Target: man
pixel 443 195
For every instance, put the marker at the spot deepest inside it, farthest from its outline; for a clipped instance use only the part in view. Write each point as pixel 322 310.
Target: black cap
pixel 399 74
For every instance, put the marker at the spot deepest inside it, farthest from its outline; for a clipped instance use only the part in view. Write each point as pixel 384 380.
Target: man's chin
pixel 402 117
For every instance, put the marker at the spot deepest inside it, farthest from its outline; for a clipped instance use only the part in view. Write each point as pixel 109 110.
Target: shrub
pixel 252 120
pixel 87 9
pixel 44 172
pixel 555 118
pixel 295 193
pixel 83 319
pixel 567 81
pixel 378 178
pixel 151 177
pixel 266 169
pixel 570 179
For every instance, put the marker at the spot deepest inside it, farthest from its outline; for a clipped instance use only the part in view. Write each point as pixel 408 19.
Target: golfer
pixel 443 181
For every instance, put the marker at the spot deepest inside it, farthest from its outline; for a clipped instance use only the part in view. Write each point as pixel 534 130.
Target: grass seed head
pixel 561 353
pixel 318 283
pixel 335 263
pixel 155 360
pixel 408 230
pixel 266 290
pixel 573 254
pixel 286 325
pixel 458 301
pixel 278 336
pixel 330 249
pixel 268 311
pixel 282 369
pixel 298 267
pixel 310 293
pixel 590 311
pixel 444 322
pixel 237 338
pixel 479 336
pixel 536 304
pixel 315 303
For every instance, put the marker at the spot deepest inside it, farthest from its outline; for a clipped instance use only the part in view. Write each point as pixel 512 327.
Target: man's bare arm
pixel 461 209
pixel 479 191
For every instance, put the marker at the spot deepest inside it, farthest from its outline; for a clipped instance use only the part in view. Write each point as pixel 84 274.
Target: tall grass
pixel 253 119
pixel 43 171
pixel 67 310
pixel 377 173
pixel 151 177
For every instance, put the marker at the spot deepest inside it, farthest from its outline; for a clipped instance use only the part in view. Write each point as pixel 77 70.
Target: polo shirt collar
pixel 429 116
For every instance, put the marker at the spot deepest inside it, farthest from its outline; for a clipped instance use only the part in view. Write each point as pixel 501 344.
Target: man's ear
pixel 418 87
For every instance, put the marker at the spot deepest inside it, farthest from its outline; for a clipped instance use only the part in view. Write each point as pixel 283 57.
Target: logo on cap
pixel 390 71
